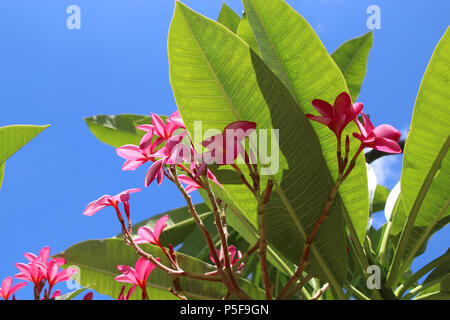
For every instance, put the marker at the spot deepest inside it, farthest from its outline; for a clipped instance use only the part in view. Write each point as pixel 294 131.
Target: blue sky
pixel 117 63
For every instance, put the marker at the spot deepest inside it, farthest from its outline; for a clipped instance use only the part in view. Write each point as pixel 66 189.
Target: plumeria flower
pixel 235 255
pixel 225 147
pixel 122 295
pixel 138 275
pixel 383 138
pixel 338 116
pixel 33 272
pixel 167 156
pixel 148 235
pixel 136 156
pixel 42 258
pixel 6 290
pixel 107 200
pixel 165 130
pixel 54 275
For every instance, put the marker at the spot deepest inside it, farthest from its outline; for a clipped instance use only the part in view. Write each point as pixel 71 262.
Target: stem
pixel 262 238
pixel 310 239
pixel 217 216
pixel 321 291
pixel 242 177
pixel 245 256
pixel 198 221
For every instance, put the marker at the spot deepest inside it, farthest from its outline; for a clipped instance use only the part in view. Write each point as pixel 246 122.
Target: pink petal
pixel 6 285
pixel 159 126
pixel 52 272
pixel 131 165
pixel 323 107
pixel 141 267
pixel 159 226
pixel 342 104
pixel 387 131
pixel 125 195
pixel 387 145
pixel 147 235
pixel 125 279
pixel 324 120
pixel 44 254
pixel 145 127
pixel 129 152
pixel 367 123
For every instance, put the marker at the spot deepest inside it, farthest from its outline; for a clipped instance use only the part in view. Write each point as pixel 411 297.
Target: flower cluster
pixel 383 138
pixel 40 270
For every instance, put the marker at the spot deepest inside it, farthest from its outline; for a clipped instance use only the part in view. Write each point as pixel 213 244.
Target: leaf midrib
pixel 297 223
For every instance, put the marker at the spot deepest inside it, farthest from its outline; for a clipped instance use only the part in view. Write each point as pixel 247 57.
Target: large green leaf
pixel 12 138
pixel 117 130
pixel 217 79
pixel 229 18
pixel 179 226
pixel 426 164
pixel 351 57
pixel 245 33
pixel 294 52
pixel 97 260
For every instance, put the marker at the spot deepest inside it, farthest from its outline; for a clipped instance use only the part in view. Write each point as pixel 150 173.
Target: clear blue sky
pixel 117 63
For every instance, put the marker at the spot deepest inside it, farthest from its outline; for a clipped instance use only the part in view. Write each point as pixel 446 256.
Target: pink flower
pixel 165 130
pixel 137 276
pixel 232 252
pixel 36 270
pixel 122 295
pixel 107 200
pixel 6 290
pixel 43 257
pixel 138 155
pixel 338 116
pixel 33 272
pixel 168 156
pixel 148 235
pixel 225 147
pixel 383 138
pixel 54 276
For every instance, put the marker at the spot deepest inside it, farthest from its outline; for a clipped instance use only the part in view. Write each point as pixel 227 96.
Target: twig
pixel 320 292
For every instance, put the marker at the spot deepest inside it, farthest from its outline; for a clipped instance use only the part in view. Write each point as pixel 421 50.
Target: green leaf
pixel 2 173
pixel 71 295
pixel 217 79
pixel 179 226
pixel 117 130
pixel 426 164
pixel 294 52
pixel 379 200
pixel 12 138
pixel 245 33
pixel 351 57
pixel 441 270
pixel 229 18
pixel 98 260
